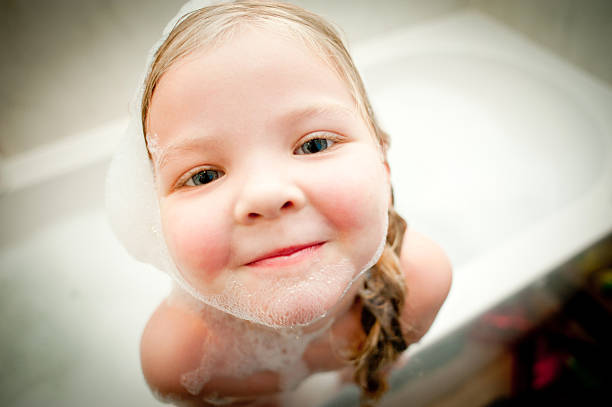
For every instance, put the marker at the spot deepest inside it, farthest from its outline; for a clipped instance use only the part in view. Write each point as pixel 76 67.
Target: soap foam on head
pixel 154 149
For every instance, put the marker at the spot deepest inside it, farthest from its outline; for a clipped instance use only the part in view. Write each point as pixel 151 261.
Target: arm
pixel 172 344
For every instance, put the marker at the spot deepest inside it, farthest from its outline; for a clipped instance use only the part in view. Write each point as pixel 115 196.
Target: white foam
pixel 289 301
pixel 238 349
pixel 131 201
pixel 246 347
pixel 154 148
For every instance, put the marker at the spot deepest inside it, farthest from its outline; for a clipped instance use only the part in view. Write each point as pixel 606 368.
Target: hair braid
pixel 382 298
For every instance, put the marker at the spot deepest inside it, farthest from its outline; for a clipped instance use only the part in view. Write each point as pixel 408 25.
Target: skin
pixel 248 124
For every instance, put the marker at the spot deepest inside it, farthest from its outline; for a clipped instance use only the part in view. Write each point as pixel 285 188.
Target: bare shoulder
pixel 428 274
pixel 171 345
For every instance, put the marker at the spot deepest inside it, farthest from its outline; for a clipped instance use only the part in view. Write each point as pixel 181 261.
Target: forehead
pixel 251 75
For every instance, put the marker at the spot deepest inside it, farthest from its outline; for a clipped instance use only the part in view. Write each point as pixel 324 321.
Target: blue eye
pixel 204 177
pixel 314 145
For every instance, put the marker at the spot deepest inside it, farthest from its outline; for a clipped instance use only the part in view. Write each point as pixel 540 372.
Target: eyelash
pixel 319 135
pixel 188 177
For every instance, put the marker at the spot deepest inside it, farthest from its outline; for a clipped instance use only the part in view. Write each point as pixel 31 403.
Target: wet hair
pixel 383 293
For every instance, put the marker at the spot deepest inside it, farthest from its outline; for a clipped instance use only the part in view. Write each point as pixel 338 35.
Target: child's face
pixel 273 192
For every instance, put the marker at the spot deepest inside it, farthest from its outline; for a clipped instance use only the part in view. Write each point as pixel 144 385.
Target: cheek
pixel 354 196
pixel 196 239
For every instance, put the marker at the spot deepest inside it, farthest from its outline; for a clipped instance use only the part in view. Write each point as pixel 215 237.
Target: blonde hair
pixel 383 293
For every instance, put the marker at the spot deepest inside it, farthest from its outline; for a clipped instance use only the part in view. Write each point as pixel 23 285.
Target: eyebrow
pixel 190 143
pixel 180 146
pixel 330 109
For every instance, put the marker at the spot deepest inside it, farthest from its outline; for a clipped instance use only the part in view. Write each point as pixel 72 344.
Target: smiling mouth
pixel 286 256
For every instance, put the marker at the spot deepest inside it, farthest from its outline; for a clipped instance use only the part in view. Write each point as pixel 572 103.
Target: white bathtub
pixel 501 152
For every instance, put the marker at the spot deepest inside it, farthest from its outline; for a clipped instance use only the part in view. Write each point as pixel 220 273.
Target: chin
pixel 295 313
pixel 304 309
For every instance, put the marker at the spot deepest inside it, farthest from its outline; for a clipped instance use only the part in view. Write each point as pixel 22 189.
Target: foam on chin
pixel 269 345
pixel 288 302
pixel 243 349
pixel 293 302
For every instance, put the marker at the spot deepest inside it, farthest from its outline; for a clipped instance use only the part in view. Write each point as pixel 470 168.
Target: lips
pixel 286 255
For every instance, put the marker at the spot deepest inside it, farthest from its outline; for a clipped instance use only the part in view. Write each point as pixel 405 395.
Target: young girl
pixel 256 176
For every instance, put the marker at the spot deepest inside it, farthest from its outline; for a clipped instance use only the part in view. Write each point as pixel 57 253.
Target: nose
pixel 268 200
